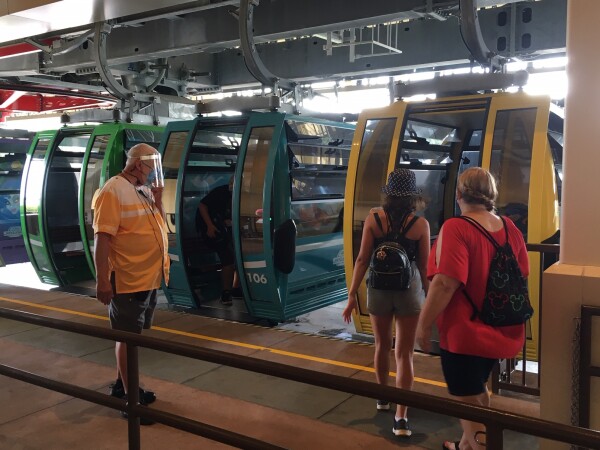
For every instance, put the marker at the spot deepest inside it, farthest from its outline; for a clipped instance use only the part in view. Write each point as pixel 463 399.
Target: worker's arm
pixel 104 291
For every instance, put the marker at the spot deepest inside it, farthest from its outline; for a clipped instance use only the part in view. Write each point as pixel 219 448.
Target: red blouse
pixel 466 255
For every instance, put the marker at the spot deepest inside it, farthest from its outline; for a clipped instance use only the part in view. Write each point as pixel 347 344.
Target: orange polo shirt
pixel 139 247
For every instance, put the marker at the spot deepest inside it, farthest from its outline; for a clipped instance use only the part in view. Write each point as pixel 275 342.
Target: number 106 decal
pixel 257 278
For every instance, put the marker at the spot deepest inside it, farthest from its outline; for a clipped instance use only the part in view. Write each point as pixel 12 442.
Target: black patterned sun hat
pixel 401 182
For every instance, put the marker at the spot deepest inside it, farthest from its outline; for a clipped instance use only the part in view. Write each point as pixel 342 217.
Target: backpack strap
pixel 505 230
pixel 378 220
pixel 475 310
pixel 401 230
pixel 488 235
pixel 391 224
pixel 409 224
pixel 485 232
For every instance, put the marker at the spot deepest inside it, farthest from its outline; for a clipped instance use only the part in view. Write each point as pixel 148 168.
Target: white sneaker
pixel 401 428
pixel 382 405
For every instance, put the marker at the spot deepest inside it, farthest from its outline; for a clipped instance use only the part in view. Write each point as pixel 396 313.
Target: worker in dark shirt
pixel 215 212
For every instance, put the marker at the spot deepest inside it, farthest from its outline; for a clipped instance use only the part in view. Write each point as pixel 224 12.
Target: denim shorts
pixel 401 303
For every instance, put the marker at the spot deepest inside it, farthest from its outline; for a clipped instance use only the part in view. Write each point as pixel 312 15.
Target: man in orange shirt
pixel 130 251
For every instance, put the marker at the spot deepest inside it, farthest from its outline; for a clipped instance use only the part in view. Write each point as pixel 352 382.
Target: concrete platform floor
pixel 282 412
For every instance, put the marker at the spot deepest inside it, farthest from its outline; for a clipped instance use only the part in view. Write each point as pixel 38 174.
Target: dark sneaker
pixel 143 421
pixel 147 397
pixel 383 405
pixel 401 428
pixel 226 298
pixel 117 390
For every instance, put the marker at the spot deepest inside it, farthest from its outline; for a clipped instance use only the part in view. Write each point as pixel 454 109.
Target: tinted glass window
pixel 511 163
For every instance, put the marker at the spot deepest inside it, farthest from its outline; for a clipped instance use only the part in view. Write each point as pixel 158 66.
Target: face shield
pixel 155 178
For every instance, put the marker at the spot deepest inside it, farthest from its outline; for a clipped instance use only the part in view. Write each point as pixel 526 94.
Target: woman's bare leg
pixel 382 330
pixel 406 329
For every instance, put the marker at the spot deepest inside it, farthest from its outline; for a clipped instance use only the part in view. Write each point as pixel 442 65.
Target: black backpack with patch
pixel 506 300
pixel 390 268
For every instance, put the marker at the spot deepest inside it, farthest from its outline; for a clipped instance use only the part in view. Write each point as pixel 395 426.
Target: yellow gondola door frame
pixel 516 151
pixel 371 159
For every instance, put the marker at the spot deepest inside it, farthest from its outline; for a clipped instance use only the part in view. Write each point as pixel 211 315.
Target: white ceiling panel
pixel 14 27
pixel 25 18
pixel 99 9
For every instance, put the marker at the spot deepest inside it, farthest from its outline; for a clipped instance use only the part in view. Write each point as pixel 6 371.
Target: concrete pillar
pixel 575 279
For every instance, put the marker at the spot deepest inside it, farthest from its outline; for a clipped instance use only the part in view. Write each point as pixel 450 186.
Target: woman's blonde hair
pixel 478 186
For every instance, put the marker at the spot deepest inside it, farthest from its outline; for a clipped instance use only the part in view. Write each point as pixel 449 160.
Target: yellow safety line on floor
pixel 53 308
pixel 210 338
pixel 225 341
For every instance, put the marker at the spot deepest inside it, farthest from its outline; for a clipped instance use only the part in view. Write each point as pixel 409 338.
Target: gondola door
pixel 93 178
pixel 258 213
pixel 516 151
pixel 14 146
pixel 373 156
pixel 60 205
pixel 32 188
pixel 49 202
pixel 174 148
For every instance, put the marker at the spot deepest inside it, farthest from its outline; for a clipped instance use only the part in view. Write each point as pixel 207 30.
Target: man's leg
pixel 236 280
pixel 131 312
pixel 121 355
pixel 227 277
pixel 227 283
pixel 117 387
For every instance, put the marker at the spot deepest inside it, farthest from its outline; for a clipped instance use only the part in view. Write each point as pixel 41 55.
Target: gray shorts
pixel 401 303
pixel 132 311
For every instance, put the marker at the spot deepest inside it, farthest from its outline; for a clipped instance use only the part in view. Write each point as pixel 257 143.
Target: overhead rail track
pixel 204 39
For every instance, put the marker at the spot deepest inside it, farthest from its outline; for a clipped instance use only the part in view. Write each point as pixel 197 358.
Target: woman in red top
pixel 460 261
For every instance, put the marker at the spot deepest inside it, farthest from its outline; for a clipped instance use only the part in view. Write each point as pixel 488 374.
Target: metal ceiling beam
pixel 39 18
pixel 54 91
pixel 21 65
pixel 61 84
pixel 23 48
pixel 176 12
pixel 101 32
pixel 24 19
pixel 253 61
pixel 426 43
pixel 216 29
pixel 470 30
pixel 23 101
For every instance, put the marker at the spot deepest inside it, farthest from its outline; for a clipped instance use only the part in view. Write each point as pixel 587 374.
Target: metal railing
pixel 586 369
pixel 503 376
pixel 496 421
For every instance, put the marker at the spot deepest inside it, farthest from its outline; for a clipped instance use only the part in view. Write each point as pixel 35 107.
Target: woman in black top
pixel 404 306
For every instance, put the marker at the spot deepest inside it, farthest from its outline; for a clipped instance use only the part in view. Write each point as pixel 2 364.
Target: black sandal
pixel 456 445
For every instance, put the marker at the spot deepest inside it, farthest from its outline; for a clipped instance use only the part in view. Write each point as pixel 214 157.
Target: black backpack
pixel 506 300
pixel 390 267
